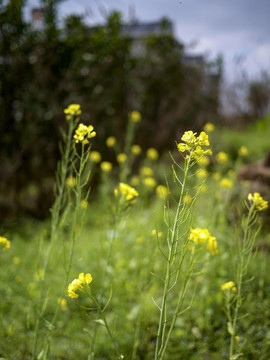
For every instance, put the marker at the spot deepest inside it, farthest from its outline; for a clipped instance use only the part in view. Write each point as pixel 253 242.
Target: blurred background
pixel 180 64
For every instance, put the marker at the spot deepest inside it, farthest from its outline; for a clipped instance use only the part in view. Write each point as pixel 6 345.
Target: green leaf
pixel 230 328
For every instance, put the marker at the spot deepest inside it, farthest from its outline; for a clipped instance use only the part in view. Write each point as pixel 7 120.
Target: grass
pixel 134 272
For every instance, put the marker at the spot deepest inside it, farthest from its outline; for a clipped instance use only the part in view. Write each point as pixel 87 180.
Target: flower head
pixel 152 154
pixel 194 145
pixel 146 171
pixel 201 236
pixel 258 201
pixel 222 157
pixel 129 192
pixel 230 285
pixel 83 133
pixel 5 243
pixel 95 156
pixel 72 110
pixel 243 151
pixel 226 183
pixel 121 158
pixel 110 142
pixel 106 166
pixel 209 127
pixel 150 182
pixel 71 181
pixel 79 284
pixel 135 116
pixel 136 149
pixel 162 191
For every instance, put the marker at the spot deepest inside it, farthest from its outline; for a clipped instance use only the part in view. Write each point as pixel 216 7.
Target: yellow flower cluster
pixel 5 243
pixel 243 151
pixel 209 127
pixel 77 284
pixel 226 183
pixel 152 154
pixel 129 192
pixel 222 157
pixel 95 156
pixel 136 149
pixel 150 182
pixel 72 110
pixel 121 158
pixel 230 285
pixel 258 201
pixel 106 166
pixel 194 144
pixel 162 191
pixel 110 142
pixel 201 236
pixel 83 132
pixel 135 116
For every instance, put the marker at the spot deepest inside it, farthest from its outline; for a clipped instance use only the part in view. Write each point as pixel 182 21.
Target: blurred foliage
pixel 41 72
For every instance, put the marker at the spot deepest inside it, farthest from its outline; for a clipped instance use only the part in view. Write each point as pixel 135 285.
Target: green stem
pixel 171 255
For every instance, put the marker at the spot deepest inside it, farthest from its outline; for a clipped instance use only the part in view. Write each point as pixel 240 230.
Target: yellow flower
pixel 111 141
pixel 71 181
pixel 152 154
pixel 222 157
pixel 150 182
pixel 243 151
pixel 135 116
pixel 226 183
pixel 106 166
pixel 187 199
pixel 121 158
pixel 194 145
pixel 204 161
pixel 258 201
pixel 146 171
pixel 199 236
pixel 212 245
pixel 201 173
pixel 135 180
pixel 84 204
pixel 16 260
pixel 83 133
pixel 230 285
pixel 63 303
pixel 95 156
pixel 209 127
pixel 189 137
pixel 136 149
pixel 72 110
pixel 79 284
pixel 5 243
pixel 129 192
pixel 159 234
pixel 162 191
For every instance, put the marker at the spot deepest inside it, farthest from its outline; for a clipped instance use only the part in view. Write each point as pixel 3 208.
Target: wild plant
pixel 182 251
pixel 244 254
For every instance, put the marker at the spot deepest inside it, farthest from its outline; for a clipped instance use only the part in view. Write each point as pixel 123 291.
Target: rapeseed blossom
pixel 204 161
pixel 158 234
pixel 230 285
pixel 71 181
pixel 222 157
pixel 201 236
pixel 95 156
pixel 110 142
pixel 146 171
pixel 83 133
pixel 162 191
pixel 78 284
pixel 226 183
pixel 258 201
pixel 5 243
pixel 243 151
pixel 194 145
pixel 152 154
pixel 129 192
pixel 106 166
pixel 135 116
pixel 150 182
pixel 72 110
pixel 209 127
pixel 136 149
pixel 121 158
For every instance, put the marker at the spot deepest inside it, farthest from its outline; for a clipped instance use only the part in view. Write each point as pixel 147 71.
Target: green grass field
pixel 125 248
